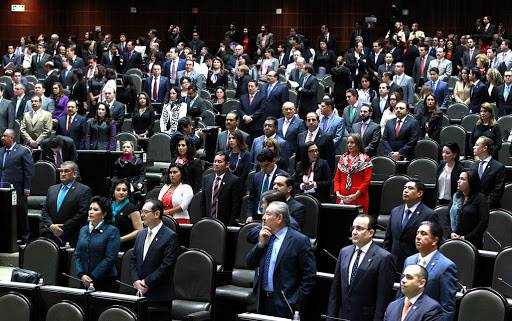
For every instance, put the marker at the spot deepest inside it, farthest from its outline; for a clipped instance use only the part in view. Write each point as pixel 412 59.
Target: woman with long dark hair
pixel 313 174
pixel 125 215
pixel 101 130
pixel 186 152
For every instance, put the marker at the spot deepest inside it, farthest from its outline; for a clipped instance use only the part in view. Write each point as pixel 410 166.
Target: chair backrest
pixel 320 92
pixel 248 180
pixel 134 71
pixel 137 82
pixel 194 209
pixel 229 105
pixel 505 123
pixel 6 80
pixel 292 96
pixel 42 255
pixel 441 212
pixel 427 148
pixel 205 94
pixel 124 274
pixel 469 122
pixel 241 275
pixel 171 223
pixel 310 228
pixel 328 82
pixel 208 117
pixel 15 306
pixel 482 304
pixel 504 154
pixel 424 169
pixel 65 311
pixel 506 200
pixel 127 126
pixel 392 193
pixel 45 175
pixel 383 167
pixel 159 148
pixel 454 134
pixel 153 193
pixel 291 164
pixel 467 163
pixel 194 283
pixel 230 93
pixel 457 111
pixel 210 235
pixel 451 82
pixel 501 274
pixel 464 255
pixel 156 126
pixel 125 137
pixel 118 313
pixel 498 235
pixel 446 121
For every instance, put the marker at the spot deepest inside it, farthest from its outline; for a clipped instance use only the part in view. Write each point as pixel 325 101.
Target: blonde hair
pixel 494 76
pixel 490 108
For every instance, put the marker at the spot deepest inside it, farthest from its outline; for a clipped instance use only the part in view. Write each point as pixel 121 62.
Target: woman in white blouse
pixel 176 195
pixel 448 173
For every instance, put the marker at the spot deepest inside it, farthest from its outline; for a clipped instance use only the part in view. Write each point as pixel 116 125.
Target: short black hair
pixel 184 122
pixel 156 205
pixel 372 222
pixel 435 229
pixel 223 154
pixel 105 206
pixel 266 155
pixel 475 71
pixel 420 186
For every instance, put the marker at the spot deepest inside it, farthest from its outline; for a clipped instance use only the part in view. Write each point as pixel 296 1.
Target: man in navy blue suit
pixel 478 93
pixel 284 262
pixel 416 305
pixel 261 182
pixel 439 88
pixel 400 134
pixel 153 259
pixel 307 92
pixel 172 66
pixel 269 131
pixel 132 58
pixel 404 222
pixel 289 127
pixel 442 272
pixel 17 168
pixel 73 125
pixel 276 94
pixel 363 281
pixel 157 86
pixel 252 110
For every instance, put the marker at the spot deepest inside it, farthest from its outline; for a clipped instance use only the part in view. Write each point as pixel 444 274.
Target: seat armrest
pixel 198 316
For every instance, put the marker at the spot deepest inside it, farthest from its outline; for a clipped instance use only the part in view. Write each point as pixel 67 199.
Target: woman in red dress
pixel 353 174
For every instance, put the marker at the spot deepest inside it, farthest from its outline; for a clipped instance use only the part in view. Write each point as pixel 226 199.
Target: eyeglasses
pixel 145 212
pixel 357 228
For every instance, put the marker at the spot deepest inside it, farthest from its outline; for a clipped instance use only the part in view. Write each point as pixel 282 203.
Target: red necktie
pixel 155 90
pixel 69 123
pixel 422 67
pixel 250 99
pixel 397 128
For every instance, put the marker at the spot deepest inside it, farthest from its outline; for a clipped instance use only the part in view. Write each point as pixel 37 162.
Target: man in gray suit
pixel 369 130
pixel 352 111
pixel 444 65
pixel 38 62
pixel 189 71
pixel 405 82
pixel 117 109
pixel 232 122
pixel 46 103
pixel 420 68
pixel 4 110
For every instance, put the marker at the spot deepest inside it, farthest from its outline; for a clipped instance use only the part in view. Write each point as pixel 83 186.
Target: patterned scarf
pixel 360 163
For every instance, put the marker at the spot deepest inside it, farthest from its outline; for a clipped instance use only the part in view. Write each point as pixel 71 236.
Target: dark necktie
pixel 268 256
pixel 355 266
pixel 406 218
pixel 6 157
pixel 215 196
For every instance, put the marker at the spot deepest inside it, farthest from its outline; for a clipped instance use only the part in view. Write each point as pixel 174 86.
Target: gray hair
pixel 281 209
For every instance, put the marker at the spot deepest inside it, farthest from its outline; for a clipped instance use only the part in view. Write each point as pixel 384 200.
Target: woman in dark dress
pixel 125 215
pixel 95 85
pixel 219 99
pixel 101 131
pixel 193 167
pixel 239 157
pixel 129 167
pixel 143 117
pixel 468 217
pixel 487 126
pixel 324 58
pixel 79 91
pixel 313 175
pixel 217 75
pixel 97 248
pixel 430 119
pixel 127 94
pixel 342 79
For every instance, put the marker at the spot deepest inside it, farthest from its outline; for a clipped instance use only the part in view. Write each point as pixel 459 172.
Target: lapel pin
pixel 156 239
pixel 101 231
pixel 369 260
pixel 414 307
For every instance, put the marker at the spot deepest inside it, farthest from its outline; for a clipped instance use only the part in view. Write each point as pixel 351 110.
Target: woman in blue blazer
pixel 97 248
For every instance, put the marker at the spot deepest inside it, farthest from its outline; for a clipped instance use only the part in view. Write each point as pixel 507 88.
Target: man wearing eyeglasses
pixel 153 260
pixel 66 206
pixel 363 280
pixel 504 102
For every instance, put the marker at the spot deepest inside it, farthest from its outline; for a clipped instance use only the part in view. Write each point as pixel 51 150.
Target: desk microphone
pixel 139 294
pixel 504 282
pixel 287 303
pixel 464 288
pixel 330 254
pixel 324 316
pixel 91 288
pixel 494 239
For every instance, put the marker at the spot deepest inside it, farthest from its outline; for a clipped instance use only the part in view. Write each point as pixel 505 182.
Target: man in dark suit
pixel 38 61
pixel 491 172
pixel 410 56
pixel 173 65
pixel 10 58
pixel 231 123
pixel 276 94
pixel 4 110
pixel 386 66
pixel 323 141
pixel 380 102
pixel 75 61
pixel 261 182
pixel 222 192
pixel 157 86
pixel 420 68
pixel 400 134
pixel 439 88
pixel 359 31
pixel 132 58
pixel 269 131
pixel 111 58
pixel 404 221
pixel 307 92
pixel 65 208
pixel 352 111
pixel 469 56
pixel 442 282
pixel 285 184
pixel 196 105
pixel 369 130
pixel 416 305
pixel 331 123
pixel 504 101
pixel 363 280
pixel 73 125
pixel 59 149
pixel 376 58
pixel 66 74
pixel 153 259
pixel 17 168
pixel 326 37
pixel 289 127
pixel 285 264
pixel 117 109
pixel 357 63
pixel 18 104
pixel 52 75
pixel 251 105
pixel 479 93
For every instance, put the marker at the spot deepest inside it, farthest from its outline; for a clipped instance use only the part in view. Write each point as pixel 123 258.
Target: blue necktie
pixel 6 157
pixel 268 256
pixel 264 188
pixel 481 168
pixel 405 220
pixel 355 266
pixel 62 195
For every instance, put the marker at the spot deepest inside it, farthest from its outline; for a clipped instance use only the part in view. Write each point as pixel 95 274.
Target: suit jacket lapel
pixel 415 216
pixel 283 249
pixel 365 264
pixel 153 242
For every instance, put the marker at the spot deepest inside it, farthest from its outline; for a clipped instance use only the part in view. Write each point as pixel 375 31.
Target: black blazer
pixel 377 114
pixel 77 131
pixel 325 146
pixel 68 150
pixel 322 178
pixel 72 213
pixel 479 95
pixel 405 142
pixel 228 200
pixel 504 106
pixel 457 169
pixel 371 137
pixel 307 96
pixel 492 183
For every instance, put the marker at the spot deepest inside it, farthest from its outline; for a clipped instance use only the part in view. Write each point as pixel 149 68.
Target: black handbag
pixel 25 276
